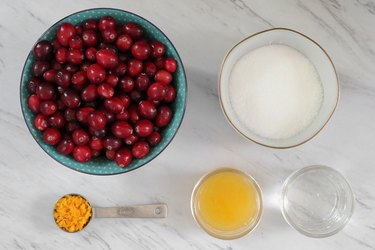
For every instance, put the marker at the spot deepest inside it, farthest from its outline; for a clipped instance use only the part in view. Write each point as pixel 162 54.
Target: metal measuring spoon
pixel 135 211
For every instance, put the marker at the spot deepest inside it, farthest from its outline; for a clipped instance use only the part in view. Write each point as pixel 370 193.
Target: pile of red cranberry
pixel 101 89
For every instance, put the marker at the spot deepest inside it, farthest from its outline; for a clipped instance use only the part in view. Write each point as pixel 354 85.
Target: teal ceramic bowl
pixel 102 166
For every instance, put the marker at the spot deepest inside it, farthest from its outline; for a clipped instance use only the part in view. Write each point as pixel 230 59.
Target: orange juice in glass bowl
pixel 227 203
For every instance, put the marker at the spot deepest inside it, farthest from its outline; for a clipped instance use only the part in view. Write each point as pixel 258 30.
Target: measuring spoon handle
pixel 138 211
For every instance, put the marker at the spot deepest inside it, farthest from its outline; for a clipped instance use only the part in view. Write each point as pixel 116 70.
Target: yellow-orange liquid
pixel 227 201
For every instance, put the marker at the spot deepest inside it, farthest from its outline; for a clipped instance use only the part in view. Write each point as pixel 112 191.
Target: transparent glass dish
pixel 317 201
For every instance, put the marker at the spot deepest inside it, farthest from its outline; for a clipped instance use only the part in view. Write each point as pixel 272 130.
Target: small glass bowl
pixel 233 234
pixel 317 201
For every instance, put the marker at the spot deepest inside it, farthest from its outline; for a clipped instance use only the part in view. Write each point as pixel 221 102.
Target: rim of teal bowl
pixel 137 162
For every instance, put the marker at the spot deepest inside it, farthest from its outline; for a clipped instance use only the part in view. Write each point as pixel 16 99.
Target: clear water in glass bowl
pixel 317 201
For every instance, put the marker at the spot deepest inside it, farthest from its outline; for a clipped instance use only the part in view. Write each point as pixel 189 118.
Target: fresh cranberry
pixel 154 138
pixel 133 30
pixel 84 66
pixel 56 120
pixel 123 157
pixel 71 98
pixel 121 129
pixel 80 137
pixel 112 143
pixel 51 136
pixel 136 95
pixel 63 78
pixel 34 103
pixel 114 104
pixel 141 50
pixel 107 58
pixel 39 67
pixel 71 67
pixel 43 50
pixel 142 81
pixel 101 133
pixel 90 24
pixel 79 78
pixel 96 143
pixel 127 84
pixel 144 128
pixel 159 63
pixel 157 49
pixel 124 42
pixel 133 114
pixel 61 55
pixel 131 139
pixel 135 67
pixel 75 56
pixel 140 149
pixel 90 38
pixel 156 91
pixel 163 117
pixel 32 85
pixel 105 90
pixel 56 65
pixel 71 126
pixel 125 100
pixel 97 120
pixel 90 54
pixel 109 35
pixel 121 69
pixel 170 93
pixel 70 114
pixel 147 109
pixel 78 31
pixel 82 153
pixel 55 44
pixel 110 116
pixel 48 107
pixel 65 146
pixel 40 122
pixel 107 22
pixel 49 75
pixel 112 80
pixel 150 69
pixel 45 91
pixel 170 64
pixel 89 93
pixel 123 116
pixel 83 113
pixel 110 154
pixel 64 32
pixel 96 73
pixel 75 42
pixel 163 76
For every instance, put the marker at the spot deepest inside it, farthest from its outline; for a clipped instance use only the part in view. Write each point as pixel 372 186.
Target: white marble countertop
pixel 202 31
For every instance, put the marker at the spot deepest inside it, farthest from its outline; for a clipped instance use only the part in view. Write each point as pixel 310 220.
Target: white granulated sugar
pixel 275 91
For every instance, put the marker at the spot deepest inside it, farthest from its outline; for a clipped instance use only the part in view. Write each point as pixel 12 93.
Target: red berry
pixel 124 42
pixel 105 90
pixel 64 32
pixel 79 78
pixel 150 69
pixel 135 67
pixel 121 129
pixel 71 98
pixel 90 24
pixel 147 109
pixel 45 91
pixel 41 122
pixel 83 113
pixel 89 93
pixel 112 80
pixel 56 120
pixel 144 128
pixel 170 93
pixel 32 85
pixel 65 146
pixel 141 50
pixel 133 30
pixel 97 120
pixel 75 56
pixel 80 137
pixel 131 139
pixel 163 76
pixel 90 38
pixel 90 54
pixel 163 117
pixel 70 114
pixel 107 22
pixel 63 78
pixel 96 143
pixel 123 157
pixel 75 42
pixel 136 95
pixel 51 136
pixel 112 143
pixel 43 50
pixel 127 84
pixel 170 64
pixel 71 68
pixel 96 73
pixel 48 107
pixel 154 138
pixel 71 126
pixel 39 67
pixel 156 91
pixel 98 133
pixel 82 153
pixel 114 104
pixel 123 116
pixel 142 81
pixel 109 35
pixel 140 149
pixel 110 154
pixel 49 75
pixel 159 63
pixel 157 49
pixel 107 58
pixel 121 69
pixel 133 114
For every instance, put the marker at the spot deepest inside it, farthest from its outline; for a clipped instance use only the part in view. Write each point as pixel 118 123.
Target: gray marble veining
pixel 202 31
